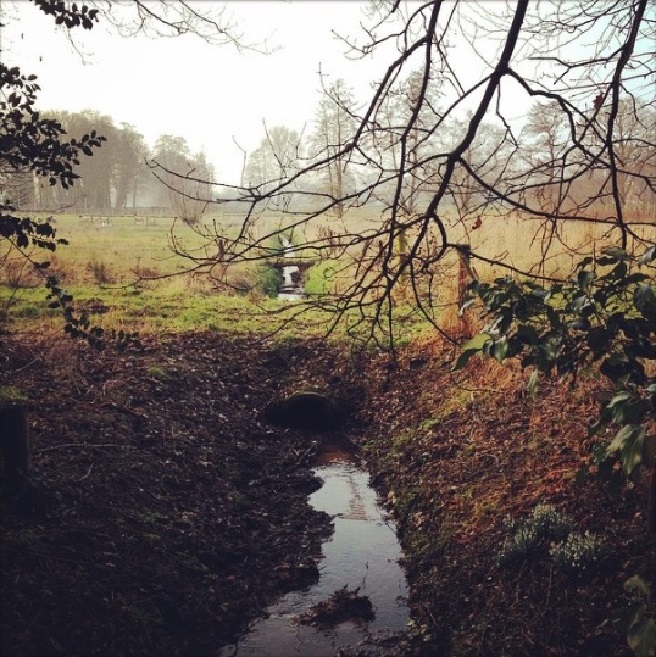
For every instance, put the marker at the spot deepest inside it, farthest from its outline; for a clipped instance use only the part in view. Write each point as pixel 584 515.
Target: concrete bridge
pixel 281 262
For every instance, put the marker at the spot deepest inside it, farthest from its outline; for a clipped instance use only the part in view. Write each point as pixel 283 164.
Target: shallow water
pixel 363 551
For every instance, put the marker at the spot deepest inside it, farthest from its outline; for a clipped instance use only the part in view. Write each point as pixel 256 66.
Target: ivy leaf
pixel 585 277
pixel 629 442
pixel 528 335
pixel 648 255
pixel 471 348
pixel 615 252
pixel 532 386
pixel 638 585
pixel 500 349
pixel 642 637
pixel 644 299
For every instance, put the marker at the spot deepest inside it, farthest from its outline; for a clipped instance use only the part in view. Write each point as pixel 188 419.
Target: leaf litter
pixel 173 514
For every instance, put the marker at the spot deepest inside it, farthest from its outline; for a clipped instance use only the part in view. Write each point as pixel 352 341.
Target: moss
pixel 159 372
pixel 11 394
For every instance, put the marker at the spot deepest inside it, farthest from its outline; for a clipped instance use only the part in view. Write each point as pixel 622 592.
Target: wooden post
pixel 14 444
pixel 466 275
pixel 463 272
pixel 651 503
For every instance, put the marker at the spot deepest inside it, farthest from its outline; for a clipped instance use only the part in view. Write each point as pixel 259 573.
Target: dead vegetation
pixel 173 514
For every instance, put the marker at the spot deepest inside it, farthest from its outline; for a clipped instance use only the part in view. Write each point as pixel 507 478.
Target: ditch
pixel 359 565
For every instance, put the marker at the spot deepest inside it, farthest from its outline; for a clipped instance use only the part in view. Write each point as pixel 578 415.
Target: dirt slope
pixel 172 513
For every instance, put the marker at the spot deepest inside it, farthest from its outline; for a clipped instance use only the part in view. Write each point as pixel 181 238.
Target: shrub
pixel 577 551
pixel 320 278
pixel 533 535
pixel 269 280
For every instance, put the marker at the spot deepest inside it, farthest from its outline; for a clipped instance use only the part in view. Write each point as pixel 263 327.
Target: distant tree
pixel 187 180
pixel 97 174
pixel 278 157
pixel 545 135
pixel 129 170
pixel 173 154
pixel 335 126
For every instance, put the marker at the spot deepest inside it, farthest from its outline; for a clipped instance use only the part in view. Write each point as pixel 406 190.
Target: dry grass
pixel 114 261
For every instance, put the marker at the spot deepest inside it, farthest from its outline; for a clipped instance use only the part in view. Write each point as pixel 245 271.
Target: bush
pixel 320 278
pixel 577 552
pixel 269 280
pixel 533 535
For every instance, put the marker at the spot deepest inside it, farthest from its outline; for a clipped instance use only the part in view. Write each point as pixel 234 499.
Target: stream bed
pixel 362 552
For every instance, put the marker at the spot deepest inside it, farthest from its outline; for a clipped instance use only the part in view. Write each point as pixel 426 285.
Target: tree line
pixel 293 171
pixel 118 177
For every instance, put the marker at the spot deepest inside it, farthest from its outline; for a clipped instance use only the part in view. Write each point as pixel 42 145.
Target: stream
pixel 291 289
pixel 362 552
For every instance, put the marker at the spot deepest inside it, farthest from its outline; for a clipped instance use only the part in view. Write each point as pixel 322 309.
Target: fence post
pixel 466 275
pixel 15 444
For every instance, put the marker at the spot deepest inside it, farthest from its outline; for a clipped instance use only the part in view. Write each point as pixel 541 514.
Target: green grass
pixel 100 268
pixel 167 310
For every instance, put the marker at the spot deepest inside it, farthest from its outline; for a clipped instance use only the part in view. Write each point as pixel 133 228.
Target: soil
pixel 165 513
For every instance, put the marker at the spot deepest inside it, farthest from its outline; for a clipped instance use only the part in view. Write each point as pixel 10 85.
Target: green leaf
pixel 532 386
pixel 584 278
pixel 644 299
pixel 615 252
pixel 554 318
pixel 629 442
pixel 618 398
pixel 598 338
pixel 585 262
pixel 642 637
pixel 527 334
pixel 636 584
pixel 471 348
pixel 500 349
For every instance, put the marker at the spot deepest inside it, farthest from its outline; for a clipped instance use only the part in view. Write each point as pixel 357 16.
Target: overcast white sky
pixel 185 87
pixel 210 94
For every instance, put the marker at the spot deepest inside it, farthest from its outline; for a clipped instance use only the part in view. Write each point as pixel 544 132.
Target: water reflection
pixel 363 551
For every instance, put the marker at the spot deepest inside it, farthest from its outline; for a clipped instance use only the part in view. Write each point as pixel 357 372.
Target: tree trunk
pixel 651 502
pixel 15 444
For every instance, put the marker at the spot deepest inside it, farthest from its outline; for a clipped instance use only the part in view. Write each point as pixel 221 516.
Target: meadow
pixel 123 272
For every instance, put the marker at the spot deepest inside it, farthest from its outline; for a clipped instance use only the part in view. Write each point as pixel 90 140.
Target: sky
pixel 215 95
pixel 205 93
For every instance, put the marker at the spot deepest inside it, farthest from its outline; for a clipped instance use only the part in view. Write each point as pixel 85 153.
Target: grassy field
pixel 126 275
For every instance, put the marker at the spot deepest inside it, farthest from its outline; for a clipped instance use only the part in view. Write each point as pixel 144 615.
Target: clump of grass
pixel 269 280
pixel 100 271
pixel 577 552
pixel 12 394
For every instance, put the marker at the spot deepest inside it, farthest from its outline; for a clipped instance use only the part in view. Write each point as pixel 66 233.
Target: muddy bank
pixel 173 515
